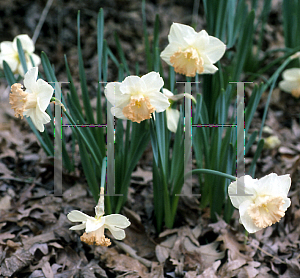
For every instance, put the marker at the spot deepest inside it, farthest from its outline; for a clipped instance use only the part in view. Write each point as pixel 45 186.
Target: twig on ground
pixel 132 253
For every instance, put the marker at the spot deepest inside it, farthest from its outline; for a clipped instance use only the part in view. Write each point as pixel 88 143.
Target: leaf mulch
pixel 35 240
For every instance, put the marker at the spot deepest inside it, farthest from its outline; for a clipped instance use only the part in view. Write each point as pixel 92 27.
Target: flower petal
pixel 133 85
pixel 291 74
pixel 214 50
pixel 159 101
pixel 45 92
pixel 36 59
pixel 274 185
pixel 249 188
pixel 115 96
pixel 289 85
pixel 92 224
pixel 77 216
pixel 172 119
pixel 153 82
pixel 117 220
pixel 209 68
pixel 6 48
pixel 286 204
pixel 167 93
pixel 78 227
pixel 117 112
pixel 27 43
pixel 181 33
pixel 245 218
pixel 30 80
pixel 38 117
pixel 169 51
pixel 116 232
pixel 11 60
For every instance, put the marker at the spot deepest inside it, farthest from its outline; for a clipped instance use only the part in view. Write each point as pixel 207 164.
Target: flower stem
pixel 213 172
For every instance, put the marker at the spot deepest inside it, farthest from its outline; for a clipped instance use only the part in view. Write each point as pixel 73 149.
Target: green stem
pixel 213 172
pixel 83 138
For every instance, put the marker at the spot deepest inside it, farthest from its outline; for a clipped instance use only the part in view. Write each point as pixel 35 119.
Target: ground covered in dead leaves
pixel 35 240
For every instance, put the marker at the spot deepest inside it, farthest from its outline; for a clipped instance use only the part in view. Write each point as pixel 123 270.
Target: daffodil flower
pixel 9 53
pixel 173 114
pixel 136 98
pixel 94 227
pixel 32 99
pixel 267 203
pixel 291 82
pixel 190 52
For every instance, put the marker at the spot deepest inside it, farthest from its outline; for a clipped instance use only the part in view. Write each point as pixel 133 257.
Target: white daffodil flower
pixel 291 82
pixel 137 97
pixel 9 53
pixel 190 52
pixel 173 114
pixel 32 99
pixel 94 227
pixel 266 205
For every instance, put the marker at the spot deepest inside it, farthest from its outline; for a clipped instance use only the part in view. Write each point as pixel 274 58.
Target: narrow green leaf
pixel 21 55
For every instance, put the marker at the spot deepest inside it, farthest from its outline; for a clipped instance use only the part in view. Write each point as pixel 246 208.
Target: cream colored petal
pixel 38 117
pixel 291 74
pixel 172 119
pixel 78 227
pixel 36 59
pixel 117 112
pixel 286 204
pixel 30 80
pixel 201 41
pixel 27 43
pixel 153 82
pixel 133 85
pixel 45 92
pixel 77 216
pixel 214 50
pixel 274 185
pixel 7 48
pixel 20 69
pixel 169 51
pixel 249 188
pixel 117 233
pixel 93 224
pixel 288 86
pixel 159 101
pixel 209 68
pixel 245 218
pixel 182 34
pixel 11 60
pixel 167 93
pixel 117 220
pixel 115 96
